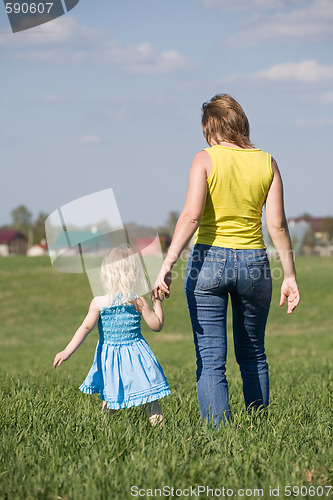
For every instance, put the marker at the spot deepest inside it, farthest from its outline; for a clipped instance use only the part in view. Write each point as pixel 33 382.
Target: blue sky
pixel 109 96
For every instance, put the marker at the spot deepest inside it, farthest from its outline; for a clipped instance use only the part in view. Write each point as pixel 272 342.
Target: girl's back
pixel 125 371
pixel 119 323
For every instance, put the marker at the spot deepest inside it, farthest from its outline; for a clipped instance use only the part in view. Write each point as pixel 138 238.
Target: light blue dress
pixel 125 371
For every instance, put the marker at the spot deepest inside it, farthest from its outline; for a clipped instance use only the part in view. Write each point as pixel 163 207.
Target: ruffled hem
pixel 88 390
pixel 131 402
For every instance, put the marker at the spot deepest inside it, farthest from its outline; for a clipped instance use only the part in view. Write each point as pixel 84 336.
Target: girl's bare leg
pixel 155 414
pixel 105 409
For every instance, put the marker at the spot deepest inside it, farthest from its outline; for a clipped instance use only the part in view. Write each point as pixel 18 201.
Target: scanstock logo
pixel 25 14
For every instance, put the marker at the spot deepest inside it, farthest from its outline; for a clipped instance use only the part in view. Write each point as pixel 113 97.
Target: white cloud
pixel 321 122
pixel 56 98
pixel 61 30
pixel 312 23
pixel 303 72
pixel 250 5
pixel 89 139
pixel 69 42
pixel 307 96
pixel 145 59
pixel 288 72
pixel 327 98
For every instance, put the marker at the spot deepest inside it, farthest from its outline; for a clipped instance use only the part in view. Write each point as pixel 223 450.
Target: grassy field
pixel 56 444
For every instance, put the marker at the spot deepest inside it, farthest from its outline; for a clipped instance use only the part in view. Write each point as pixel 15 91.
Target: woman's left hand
pixel 290 291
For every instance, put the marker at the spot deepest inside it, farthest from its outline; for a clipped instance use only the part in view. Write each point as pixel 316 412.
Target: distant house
pixel 317 224
pixel 12 241
pixel 312 235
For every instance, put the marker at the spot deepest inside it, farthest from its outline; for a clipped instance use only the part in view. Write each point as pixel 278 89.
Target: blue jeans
pixel 212 274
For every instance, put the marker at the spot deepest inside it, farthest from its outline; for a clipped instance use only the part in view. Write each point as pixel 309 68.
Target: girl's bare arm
pixel 80 335
pixel 155 318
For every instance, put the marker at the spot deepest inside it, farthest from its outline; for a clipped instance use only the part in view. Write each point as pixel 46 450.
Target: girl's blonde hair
pixel 122 275
pixel 223 119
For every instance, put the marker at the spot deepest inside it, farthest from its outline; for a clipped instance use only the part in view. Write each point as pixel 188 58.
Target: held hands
pixel 159 298
pixel 60 358
pixel 163 282
pixel 289 291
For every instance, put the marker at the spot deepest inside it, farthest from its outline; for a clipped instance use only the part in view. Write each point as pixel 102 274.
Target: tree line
pixel 32 229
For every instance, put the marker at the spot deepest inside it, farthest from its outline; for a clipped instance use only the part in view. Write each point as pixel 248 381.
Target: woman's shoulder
pixel 203 155
pixel 202 162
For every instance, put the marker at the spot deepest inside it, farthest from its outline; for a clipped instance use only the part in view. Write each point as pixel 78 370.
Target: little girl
pixel 125 371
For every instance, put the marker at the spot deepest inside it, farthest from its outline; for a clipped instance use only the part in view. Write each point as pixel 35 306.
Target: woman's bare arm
pixel 278 229
pixel 189 219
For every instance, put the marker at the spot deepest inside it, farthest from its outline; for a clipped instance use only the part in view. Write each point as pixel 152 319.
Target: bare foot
pixel 155 414
pixel 157 419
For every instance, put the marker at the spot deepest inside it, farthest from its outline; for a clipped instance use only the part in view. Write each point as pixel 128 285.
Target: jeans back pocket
pixel 260 276
pixel 209 274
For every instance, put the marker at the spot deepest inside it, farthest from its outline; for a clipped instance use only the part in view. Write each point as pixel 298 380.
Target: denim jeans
pixel 212 275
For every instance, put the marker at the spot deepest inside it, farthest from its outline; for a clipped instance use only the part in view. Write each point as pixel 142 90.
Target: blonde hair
pixel 122 275
pixel 223 119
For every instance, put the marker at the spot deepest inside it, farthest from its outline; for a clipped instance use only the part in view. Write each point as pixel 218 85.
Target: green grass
pixel 56 444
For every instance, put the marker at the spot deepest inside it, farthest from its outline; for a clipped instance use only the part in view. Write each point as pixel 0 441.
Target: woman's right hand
pixel 163 282
pixel 290 291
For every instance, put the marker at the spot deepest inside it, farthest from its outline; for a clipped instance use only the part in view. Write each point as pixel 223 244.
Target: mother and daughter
pixel 229 184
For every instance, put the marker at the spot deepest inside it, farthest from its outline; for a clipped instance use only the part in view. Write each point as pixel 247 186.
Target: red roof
pixel 6 235
pixel 147 246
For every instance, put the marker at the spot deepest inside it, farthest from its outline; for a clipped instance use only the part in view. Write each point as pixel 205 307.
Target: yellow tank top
pixel 236 192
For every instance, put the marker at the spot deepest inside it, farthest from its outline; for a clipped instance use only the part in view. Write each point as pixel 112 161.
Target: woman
pixel 229 183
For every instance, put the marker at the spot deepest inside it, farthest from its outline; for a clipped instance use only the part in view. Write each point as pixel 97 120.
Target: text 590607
pixel 303 491
pixel 26 8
